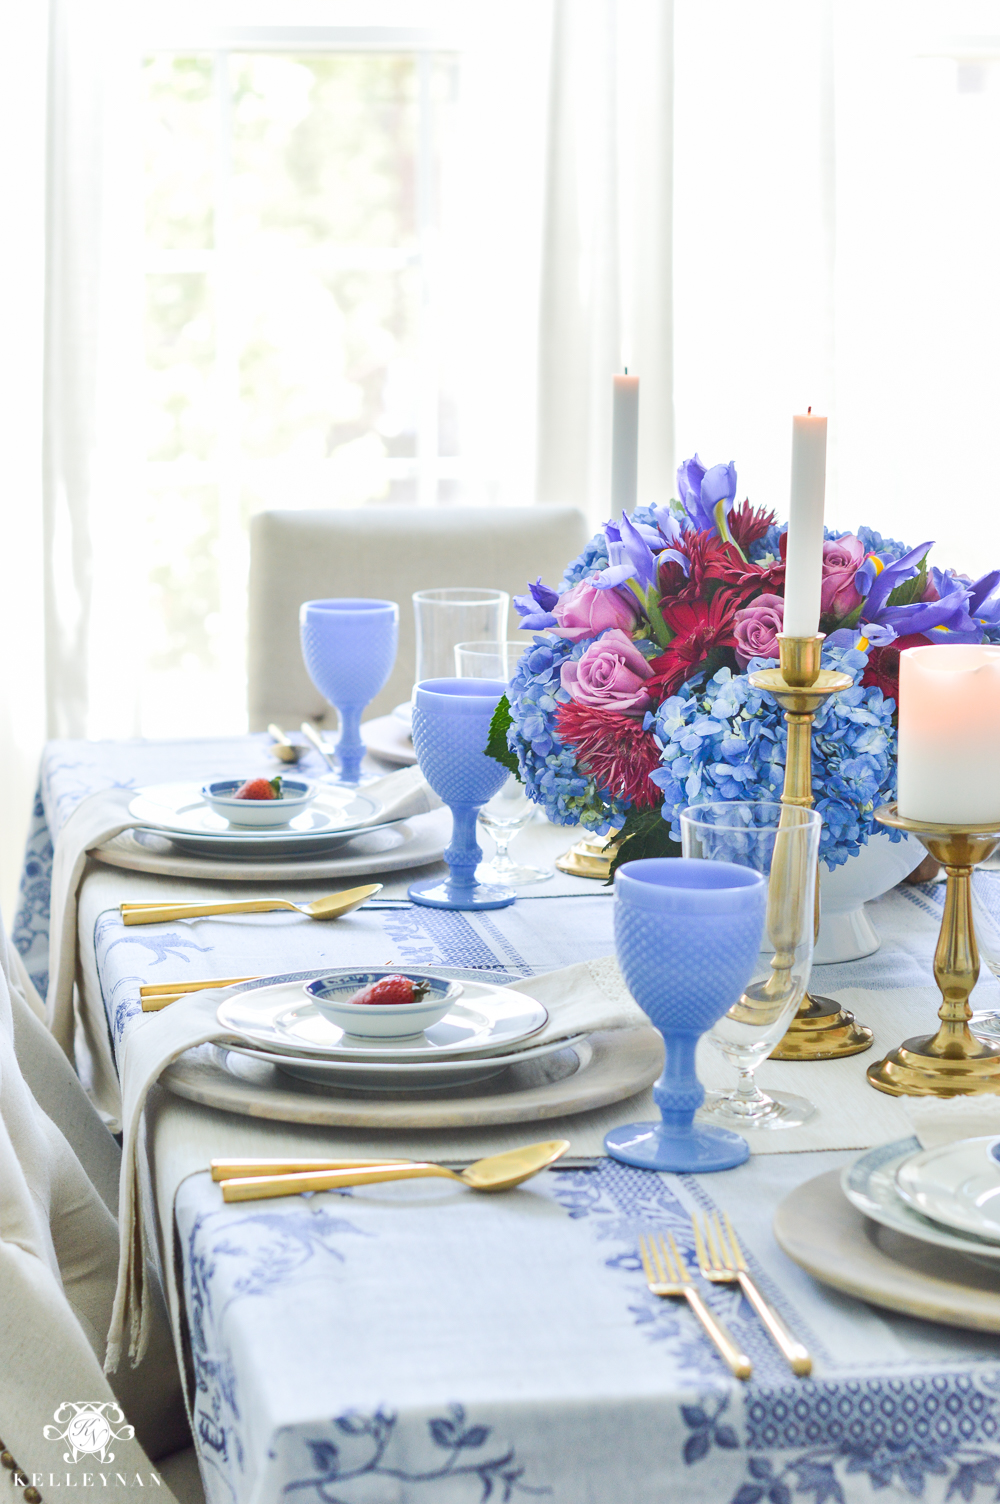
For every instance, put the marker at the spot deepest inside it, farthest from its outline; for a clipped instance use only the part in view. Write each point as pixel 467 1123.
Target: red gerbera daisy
pixel 700 628
pixel 883 664
pixel 613 749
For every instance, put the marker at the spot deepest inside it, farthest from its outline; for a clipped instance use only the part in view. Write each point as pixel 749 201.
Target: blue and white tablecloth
pixel 425 1345
pixel 422 1343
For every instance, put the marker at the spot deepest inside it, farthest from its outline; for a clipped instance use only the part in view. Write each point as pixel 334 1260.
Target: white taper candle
pixel 804 559
pixel 624 444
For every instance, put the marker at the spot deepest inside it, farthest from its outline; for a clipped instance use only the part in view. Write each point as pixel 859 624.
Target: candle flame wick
pixel 808 412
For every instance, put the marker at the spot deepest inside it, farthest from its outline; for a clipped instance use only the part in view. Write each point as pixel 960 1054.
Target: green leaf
pixel 497 747
pixel 645 833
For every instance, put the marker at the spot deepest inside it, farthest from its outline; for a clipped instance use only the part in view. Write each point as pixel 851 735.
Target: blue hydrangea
pixel 769 546
pixel 727 740
pixel 886 548
pixel 548 768
pixel 594 556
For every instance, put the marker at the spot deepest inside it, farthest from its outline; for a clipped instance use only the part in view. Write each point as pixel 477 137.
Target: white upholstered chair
pixel 59 1170
pixel 386 552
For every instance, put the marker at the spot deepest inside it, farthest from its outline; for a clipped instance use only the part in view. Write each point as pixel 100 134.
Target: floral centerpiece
pixel 634 699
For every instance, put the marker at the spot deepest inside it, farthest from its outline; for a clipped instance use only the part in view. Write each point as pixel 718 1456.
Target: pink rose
pixel 610 676
pixel 584 611
pixel 842 558
pixel 756 628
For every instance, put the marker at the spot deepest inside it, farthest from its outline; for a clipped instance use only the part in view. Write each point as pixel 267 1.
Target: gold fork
pixel 720 1259
pixel 667 1275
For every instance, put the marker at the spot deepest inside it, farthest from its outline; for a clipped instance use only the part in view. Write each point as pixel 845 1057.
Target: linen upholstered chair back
pixel 59 1169
pixel 388 553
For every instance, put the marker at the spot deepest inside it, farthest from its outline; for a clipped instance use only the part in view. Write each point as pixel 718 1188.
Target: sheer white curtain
pixel 837 204
pixel 22 261
pixel 606 299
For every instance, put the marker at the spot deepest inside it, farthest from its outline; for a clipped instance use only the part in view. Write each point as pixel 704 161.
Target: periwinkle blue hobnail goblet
pixel 349 646
pixel 451 726
pixel 687 935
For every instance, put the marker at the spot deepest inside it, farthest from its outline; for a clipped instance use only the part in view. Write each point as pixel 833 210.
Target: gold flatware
pixel 500 1172
pixel 241 1169
pixel 234 1169
pixel 151 989
pixel 312 735
pixel 667 1276
pixel 156 995
pixel 720 1259
pixel 287 750
pixel 321 908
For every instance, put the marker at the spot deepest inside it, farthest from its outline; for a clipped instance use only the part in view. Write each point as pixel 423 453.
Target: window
pixel 297 350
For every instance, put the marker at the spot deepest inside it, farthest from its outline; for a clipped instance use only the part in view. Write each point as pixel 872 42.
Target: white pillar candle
pixel 949 734
pixel 804 557
pixel 624 443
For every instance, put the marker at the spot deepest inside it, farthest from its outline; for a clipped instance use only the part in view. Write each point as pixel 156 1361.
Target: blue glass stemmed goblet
pixel 451 726
pixel 687 935
pixel 349 647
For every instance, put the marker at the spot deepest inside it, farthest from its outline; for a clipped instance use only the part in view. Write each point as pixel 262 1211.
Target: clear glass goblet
pixel 445 617
pixel 510 810
pixel 781 842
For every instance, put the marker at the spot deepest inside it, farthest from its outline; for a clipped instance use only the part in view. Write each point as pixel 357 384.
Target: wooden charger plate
pixel 837 1244
pixel 606 1067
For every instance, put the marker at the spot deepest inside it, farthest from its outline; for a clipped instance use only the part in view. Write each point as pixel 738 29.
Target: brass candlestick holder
pixel 952 1062
pixel 821 1029
pixel 591 856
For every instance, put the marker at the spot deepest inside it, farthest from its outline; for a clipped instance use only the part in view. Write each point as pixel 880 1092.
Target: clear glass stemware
pixel 781 842
pixel 510 810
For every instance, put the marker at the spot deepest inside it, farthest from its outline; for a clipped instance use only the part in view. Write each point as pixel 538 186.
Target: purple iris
pixel 535 608
pixel 950 613
pixel 630 555
pixel 701 491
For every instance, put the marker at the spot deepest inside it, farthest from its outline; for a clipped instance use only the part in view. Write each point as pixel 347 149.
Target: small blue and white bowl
pixel 331 995
pixel 296 795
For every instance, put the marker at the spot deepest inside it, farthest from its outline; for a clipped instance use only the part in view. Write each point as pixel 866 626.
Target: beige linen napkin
pixel 581 999
pixel 104 815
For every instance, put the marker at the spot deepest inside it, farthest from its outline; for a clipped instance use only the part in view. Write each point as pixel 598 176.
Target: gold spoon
pixel 320 908
pixel 498 1173
pixel 288 751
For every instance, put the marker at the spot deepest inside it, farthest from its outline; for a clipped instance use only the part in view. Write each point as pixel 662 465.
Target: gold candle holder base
pixel 952 1062
pixel 821 1029
pixel 590 857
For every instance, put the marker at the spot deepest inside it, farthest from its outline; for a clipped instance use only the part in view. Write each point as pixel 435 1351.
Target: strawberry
pixel 392 990
pixel 260 788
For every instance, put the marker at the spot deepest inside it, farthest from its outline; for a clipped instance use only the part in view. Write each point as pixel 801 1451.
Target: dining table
pixel 423 1342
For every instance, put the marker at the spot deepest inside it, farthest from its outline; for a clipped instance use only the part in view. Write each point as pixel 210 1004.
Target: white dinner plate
pixel 870 1185
pixel 179 811
pixel 957 1185
pixel 399 847
pixel 283 1020
pixel 407 1076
